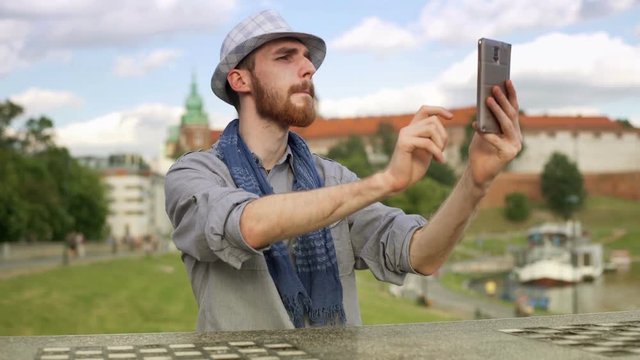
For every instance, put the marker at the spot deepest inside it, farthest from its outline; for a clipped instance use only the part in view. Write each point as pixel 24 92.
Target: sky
pixel 114 75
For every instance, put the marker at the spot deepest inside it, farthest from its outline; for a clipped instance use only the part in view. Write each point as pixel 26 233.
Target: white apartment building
pixel 135 195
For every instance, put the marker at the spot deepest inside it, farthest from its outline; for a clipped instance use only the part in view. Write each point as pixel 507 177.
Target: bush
pixel 562 185
pixel 423 198
pixel 517 207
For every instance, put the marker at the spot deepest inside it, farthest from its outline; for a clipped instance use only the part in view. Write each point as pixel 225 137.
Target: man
pixel 270 234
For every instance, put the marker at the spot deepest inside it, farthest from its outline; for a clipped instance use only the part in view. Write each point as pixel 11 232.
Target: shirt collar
pixel 288 155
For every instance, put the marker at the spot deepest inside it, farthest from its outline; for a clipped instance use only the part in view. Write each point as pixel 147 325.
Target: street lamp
pixel 572 201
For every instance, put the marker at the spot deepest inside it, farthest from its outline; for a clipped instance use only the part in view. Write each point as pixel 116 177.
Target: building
pixel 135 195
pixel 605 151
pixel 193 132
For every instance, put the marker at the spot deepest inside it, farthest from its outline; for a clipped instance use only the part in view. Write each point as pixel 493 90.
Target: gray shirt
pixel 230 279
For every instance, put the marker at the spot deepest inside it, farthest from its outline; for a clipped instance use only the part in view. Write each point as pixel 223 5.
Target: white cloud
pixel 373 34
pixel 37 101
pixel 39 28
pixel 141 130
pixel 13 34
pixel 466 20
pixel 385 101
pixel 141 64
pixel 555 71
pixel 597 8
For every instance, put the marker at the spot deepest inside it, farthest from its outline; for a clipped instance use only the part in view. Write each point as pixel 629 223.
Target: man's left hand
pixel 489 153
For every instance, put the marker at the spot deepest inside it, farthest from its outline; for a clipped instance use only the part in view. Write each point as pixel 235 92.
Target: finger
pixel 430 130
pixel 427 111
pixel 504 103
pixel 428 146
pixel 513 99
pixel 506 124
pixel 491 138
pixel 512 95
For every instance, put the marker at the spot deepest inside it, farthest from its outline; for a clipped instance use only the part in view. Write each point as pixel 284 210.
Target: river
pixel 614 291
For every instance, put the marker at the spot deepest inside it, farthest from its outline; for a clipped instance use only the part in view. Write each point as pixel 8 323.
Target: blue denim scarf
pixel 312 289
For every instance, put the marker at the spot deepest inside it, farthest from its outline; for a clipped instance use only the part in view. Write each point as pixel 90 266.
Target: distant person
pixel 71 245
pixel 80 244
pixel 270 233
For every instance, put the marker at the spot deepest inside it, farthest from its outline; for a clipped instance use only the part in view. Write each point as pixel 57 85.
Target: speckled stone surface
pixel 477 339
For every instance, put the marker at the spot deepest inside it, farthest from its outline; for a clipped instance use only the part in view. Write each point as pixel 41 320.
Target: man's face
pixel 282 87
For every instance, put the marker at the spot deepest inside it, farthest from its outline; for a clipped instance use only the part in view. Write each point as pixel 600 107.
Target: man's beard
pixel 280 109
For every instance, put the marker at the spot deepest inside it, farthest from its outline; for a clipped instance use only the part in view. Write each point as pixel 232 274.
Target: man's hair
pixel 247 63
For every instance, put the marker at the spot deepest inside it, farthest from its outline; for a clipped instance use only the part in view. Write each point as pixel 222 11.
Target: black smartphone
pixel 494 63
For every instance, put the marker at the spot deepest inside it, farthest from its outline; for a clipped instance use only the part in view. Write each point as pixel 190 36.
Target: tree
pixel 38 135
pixel 441 173
pixel 44 192
pixel 562 185
pixel 468 135
pixel 423 198
pixel 517 207
pixel 8 112
pixel 13 209
pixel 352 154
pixel 386 137
pixel 625 123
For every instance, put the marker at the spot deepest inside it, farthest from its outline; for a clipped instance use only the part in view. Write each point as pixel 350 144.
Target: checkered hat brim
pixel 253 33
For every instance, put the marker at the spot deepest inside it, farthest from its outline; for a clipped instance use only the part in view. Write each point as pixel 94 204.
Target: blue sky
pixel 114 75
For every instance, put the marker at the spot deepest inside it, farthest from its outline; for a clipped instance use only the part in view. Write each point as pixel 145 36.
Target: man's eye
pixel 284 57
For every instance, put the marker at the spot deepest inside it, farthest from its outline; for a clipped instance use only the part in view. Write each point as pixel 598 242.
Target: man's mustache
pixel 305 86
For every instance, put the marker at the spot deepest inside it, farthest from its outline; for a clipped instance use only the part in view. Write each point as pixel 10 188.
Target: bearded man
pixel 270 233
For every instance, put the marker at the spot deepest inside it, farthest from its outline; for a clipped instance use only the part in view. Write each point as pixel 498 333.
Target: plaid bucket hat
pixel 252 33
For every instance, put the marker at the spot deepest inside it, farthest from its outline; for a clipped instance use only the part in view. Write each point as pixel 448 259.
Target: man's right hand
pixel 418 143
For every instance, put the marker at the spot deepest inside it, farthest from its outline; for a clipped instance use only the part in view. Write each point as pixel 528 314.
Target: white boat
pixel 559 254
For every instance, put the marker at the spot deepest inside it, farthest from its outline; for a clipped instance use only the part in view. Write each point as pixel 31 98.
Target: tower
pixel 193 133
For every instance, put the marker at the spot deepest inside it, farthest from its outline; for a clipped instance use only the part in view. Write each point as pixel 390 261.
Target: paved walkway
pixel 52 257
pixel 467 307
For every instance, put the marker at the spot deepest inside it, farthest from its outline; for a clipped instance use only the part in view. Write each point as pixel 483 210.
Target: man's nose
pixel 307 69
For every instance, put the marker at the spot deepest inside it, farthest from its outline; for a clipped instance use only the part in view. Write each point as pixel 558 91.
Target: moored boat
pixel 559 254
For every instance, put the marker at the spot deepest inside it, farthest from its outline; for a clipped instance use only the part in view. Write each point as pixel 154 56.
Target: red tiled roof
pixel 569 122
pixel 342 127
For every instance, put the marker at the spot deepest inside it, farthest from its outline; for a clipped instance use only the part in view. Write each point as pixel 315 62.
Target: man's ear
pixel 239 80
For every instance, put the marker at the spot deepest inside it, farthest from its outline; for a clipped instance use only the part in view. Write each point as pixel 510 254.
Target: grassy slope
pixel 142 295
pixel 601 216
pixel 153 294
pixel 128 295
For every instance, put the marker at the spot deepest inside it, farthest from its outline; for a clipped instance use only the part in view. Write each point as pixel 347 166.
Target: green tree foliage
pixel 352 154
pixel 625 123
pixel 517 207
pixel 386 137
pixel 8 112
pixel 423 198
pixel 44 192
pixel 562 185
pixel 13 212
pixel 442 173
pixel 468 135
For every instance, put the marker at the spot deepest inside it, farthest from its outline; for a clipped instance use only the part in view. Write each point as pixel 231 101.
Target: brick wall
pixel 622 185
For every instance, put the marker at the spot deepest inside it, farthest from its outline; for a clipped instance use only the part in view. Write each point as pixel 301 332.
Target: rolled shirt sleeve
pixel 203 204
